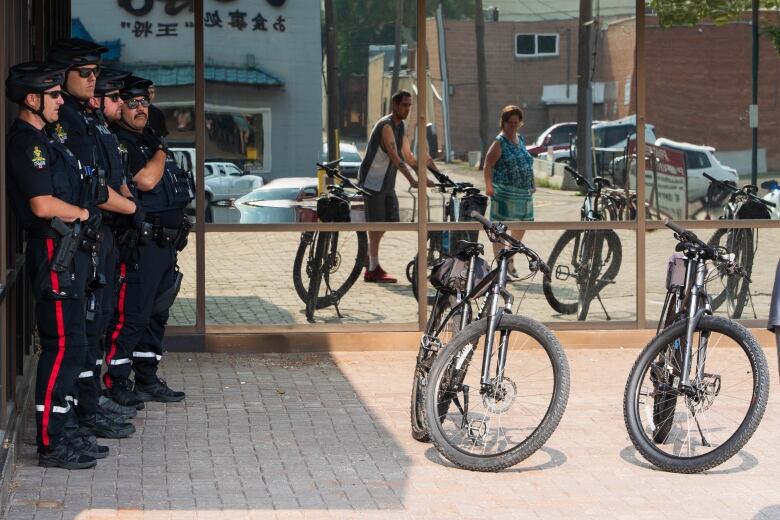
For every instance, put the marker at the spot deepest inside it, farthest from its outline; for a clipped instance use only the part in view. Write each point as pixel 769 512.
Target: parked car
pixel 226 181
pixel 608 136
pixel 289 199
pixel 559 136
pixel 698 160
pixel 350 158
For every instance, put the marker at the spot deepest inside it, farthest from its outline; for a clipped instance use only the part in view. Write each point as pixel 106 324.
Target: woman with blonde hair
pixel 509 175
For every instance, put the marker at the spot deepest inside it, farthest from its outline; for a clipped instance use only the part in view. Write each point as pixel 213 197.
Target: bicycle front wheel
pixel 343 260
pixel 707 423
pixel 732 290
pixel 493 426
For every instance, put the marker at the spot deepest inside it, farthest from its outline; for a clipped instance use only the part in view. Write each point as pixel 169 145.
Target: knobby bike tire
pixel 614 258
pixel 647 446
pixel 423 366
pixel 315 280
pixel 445 375
pixel 735 291
pixel 305 255
pixel 664 403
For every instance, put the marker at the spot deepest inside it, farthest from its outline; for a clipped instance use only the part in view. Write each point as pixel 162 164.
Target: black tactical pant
pixel 135 334
pixel 89 379
pixel 59 312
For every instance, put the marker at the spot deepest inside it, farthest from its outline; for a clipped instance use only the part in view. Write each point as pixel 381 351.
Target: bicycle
pixel 523 364
pixel 698 390
pixel 337 258
pixel 590 259
pixel 463 198
pixel 742 203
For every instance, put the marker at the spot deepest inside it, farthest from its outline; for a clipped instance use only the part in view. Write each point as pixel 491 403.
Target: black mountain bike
pixel 699 389
pixel 497 413
pixel 742 203
pixel 584 262
pixel 333 257
pixel 462 199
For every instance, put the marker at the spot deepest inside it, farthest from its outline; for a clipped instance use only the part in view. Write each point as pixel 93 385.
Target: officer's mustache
pixel 140 115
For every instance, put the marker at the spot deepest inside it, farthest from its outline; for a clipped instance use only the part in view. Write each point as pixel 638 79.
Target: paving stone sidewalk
pixel 327 436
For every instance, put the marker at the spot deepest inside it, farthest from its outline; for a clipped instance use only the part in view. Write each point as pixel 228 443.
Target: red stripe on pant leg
pixel 55 285
pixel 120 322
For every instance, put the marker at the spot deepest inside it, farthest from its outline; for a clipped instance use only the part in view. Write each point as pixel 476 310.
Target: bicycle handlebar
pixel 331 169
pixel 499 231
pixel 733 189
pixel 688 238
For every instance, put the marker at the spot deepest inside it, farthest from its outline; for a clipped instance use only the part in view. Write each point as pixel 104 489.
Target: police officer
pixel 78 129
pixel 45 185
pixel 148 270
pixel 106 107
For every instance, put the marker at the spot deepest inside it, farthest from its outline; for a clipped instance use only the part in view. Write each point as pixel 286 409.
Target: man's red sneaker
pixel 378 275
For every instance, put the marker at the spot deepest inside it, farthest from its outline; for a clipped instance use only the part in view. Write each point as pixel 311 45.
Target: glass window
pixel 529 45
pixel 547 43
pixel 526 45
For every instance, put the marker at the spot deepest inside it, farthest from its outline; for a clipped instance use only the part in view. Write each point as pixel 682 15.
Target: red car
pixel 559 136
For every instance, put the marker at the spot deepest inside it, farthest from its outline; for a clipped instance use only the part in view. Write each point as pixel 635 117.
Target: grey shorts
pixel 774 306
pixel 382 207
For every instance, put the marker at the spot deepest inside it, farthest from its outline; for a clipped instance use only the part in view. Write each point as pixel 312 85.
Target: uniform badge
pixel 60 133
pixel 38 160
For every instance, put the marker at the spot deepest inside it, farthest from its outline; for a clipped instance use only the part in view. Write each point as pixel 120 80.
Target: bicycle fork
pixel 494 320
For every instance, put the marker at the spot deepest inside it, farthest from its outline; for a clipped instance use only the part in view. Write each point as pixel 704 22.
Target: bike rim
pixel 515 405
pixel 723 402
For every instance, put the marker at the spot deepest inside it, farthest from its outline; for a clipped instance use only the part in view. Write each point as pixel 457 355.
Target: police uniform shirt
pixel 29 164
pixel 73 130
pixel 115 174
pixel 137 153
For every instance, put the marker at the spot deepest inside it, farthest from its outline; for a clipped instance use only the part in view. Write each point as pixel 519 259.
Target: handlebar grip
pixel 710 177
pixel 571 170
pixel 476 215
pixel 674 227
pixel 766 202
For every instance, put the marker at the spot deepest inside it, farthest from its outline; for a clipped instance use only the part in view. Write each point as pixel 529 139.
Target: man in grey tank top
pixel 386 147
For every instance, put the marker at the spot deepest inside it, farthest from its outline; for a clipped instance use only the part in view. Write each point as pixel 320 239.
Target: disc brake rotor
pixel 500 396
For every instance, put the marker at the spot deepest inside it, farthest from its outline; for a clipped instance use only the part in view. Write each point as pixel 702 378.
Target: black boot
pixel 102 426
pixel 65 455
pixel 109 405
pixel 122 393
pixel 87 444
pixel 158 391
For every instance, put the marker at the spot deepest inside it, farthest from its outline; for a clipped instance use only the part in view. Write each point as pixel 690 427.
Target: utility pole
pixel 753 115
pixel 399 20
pixel 484 128
pixel 584 91
pixel 332 81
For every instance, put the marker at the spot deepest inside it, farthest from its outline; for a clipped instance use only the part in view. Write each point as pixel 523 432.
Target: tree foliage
pixel 372 22
pixel 691 12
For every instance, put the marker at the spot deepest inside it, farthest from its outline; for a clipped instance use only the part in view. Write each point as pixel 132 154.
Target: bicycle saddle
pixel 602 181
pixel 465 249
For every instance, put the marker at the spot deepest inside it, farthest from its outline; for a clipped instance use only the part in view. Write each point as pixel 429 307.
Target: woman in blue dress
pixel 509 175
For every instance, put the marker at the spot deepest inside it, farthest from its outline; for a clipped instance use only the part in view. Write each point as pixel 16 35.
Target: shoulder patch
pixel 60 133
pixel 122 148
pixel 38 159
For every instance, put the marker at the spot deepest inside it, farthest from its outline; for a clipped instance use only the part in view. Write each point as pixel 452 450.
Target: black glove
pixel 137 218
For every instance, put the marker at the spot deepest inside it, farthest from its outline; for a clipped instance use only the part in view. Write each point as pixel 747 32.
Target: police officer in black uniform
pixel 149 276
pixel 80 128
pixel 106 107
pixel 46 183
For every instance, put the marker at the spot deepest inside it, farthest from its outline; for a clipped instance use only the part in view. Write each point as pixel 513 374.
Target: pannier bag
pixel 675 271
pixel 332 209
pixel 449 274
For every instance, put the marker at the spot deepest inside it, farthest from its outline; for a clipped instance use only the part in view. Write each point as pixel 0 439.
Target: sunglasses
pixel 85 72
pixel 133 103
pixel 54 94
pixel 113 97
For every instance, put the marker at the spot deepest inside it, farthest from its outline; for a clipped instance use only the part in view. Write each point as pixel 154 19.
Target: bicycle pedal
pixel 430 343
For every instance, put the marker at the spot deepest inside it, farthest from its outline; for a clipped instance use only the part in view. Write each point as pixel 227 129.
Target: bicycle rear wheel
pixel 425 359
pixel 496 426
pixel 714 418
pixel 317 266
pixel 732 290
pixel 345 259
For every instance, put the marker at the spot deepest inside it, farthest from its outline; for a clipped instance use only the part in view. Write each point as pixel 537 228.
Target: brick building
pixel 699 89
pixel 542 83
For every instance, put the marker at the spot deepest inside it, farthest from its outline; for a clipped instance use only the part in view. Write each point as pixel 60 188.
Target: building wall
pixel 617 68
pixel 699 87
pixel 292 55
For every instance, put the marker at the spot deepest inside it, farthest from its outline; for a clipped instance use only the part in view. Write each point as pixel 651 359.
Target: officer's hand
pixel 95 219
pixel 430 183
pixel 137 218
pixel 413 183
pixel 84 216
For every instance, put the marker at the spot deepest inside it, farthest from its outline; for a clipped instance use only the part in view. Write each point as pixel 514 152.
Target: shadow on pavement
pixel 748 462
pixel 556 458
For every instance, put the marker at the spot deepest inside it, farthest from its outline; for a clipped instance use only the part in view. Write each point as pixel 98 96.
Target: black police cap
pixel 135 86
pixel 32 76
pixel 75 52
pixel 110 80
